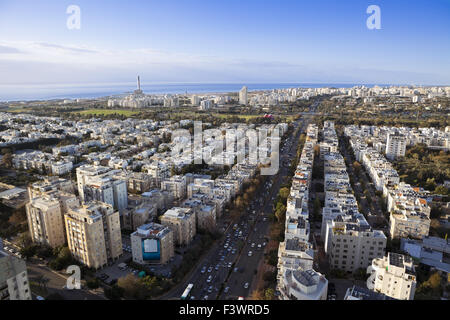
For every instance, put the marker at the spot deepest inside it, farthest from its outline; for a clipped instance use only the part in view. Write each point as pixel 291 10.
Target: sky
pixel 212 41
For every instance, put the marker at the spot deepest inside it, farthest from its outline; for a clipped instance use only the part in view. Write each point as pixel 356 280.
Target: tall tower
pixel 243 96
pixel 138 90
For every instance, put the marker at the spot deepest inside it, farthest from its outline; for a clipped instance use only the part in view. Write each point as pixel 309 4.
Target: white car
pixel 246 285
pixel 250 253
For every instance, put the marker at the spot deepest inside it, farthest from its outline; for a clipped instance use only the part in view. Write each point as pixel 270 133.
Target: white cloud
pixel 39 62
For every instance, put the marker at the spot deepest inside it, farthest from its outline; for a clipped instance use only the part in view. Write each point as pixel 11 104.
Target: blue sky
pixel 225 41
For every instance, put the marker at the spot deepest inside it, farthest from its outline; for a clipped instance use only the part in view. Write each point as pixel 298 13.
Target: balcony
pixel 371 282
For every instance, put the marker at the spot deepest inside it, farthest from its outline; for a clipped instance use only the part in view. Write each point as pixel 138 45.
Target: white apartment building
pixel 352 245
pixel 61 167
pixel 303 285
pixel 393 276
pixel 395 146
pixel 14 283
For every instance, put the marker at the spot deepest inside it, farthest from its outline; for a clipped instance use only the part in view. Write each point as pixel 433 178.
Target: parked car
pixel 246 285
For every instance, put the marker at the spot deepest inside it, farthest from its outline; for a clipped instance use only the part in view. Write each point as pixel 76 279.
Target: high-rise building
pixel 243 96
pixel 45 221
pixel 49 201
pixel 14 284
pixel 93 234
pixel 395 146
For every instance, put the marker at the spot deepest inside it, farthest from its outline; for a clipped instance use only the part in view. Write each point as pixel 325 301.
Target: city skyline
pixel 178 42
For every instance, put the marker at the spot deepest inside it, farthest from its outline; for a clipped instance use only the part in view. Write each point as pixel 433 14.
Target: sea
pixel 98 90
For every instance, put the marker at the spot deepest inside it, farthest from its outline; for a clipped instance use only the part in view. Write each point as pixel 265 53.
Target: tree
pixel 257 295
pixel 357 167
pixel 269 294
pixel 132 287
pixel 442 190
pixel 7 160
pixel 113 293
pixel 284 193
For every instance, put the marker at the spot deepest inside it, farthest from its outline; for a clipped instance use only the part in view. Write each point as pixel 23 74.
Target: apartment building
pixel 49 201
pixel 203 186
pixel 45 221
pixel 50 186
pixel 158 170
pixel 152 244
pixel 14 283
pixel 176 185
pixel 96 183
pixel 93 234
pixel 404 223
pixel 352 244
pixel 294 254
pixel 182 221
pixel 393 275
pixel 358 293
pixel 303 285
pixel 395 146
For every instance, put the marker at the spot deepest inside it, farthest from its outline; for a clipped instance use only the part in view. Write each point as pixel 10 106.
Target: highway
pixel 227 267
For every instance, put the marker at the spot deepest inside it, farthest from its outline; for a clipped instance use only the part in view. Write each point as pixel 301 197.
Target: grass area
pixel 241 116
pixel 19 110
pixel 126 113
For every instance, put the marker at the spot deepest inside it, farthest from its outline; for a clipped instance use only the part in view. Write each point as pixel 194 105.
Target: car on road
pixel 250 253
pixel 259 246
pixel 246 285
pixel 209 279
pixel 205 298
pixel 203 270
pixel 217 268
pixel 253 245
pixel 210 289
pixel 226 290
pixel 230 264
pixel 235 269
pixel 210 269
